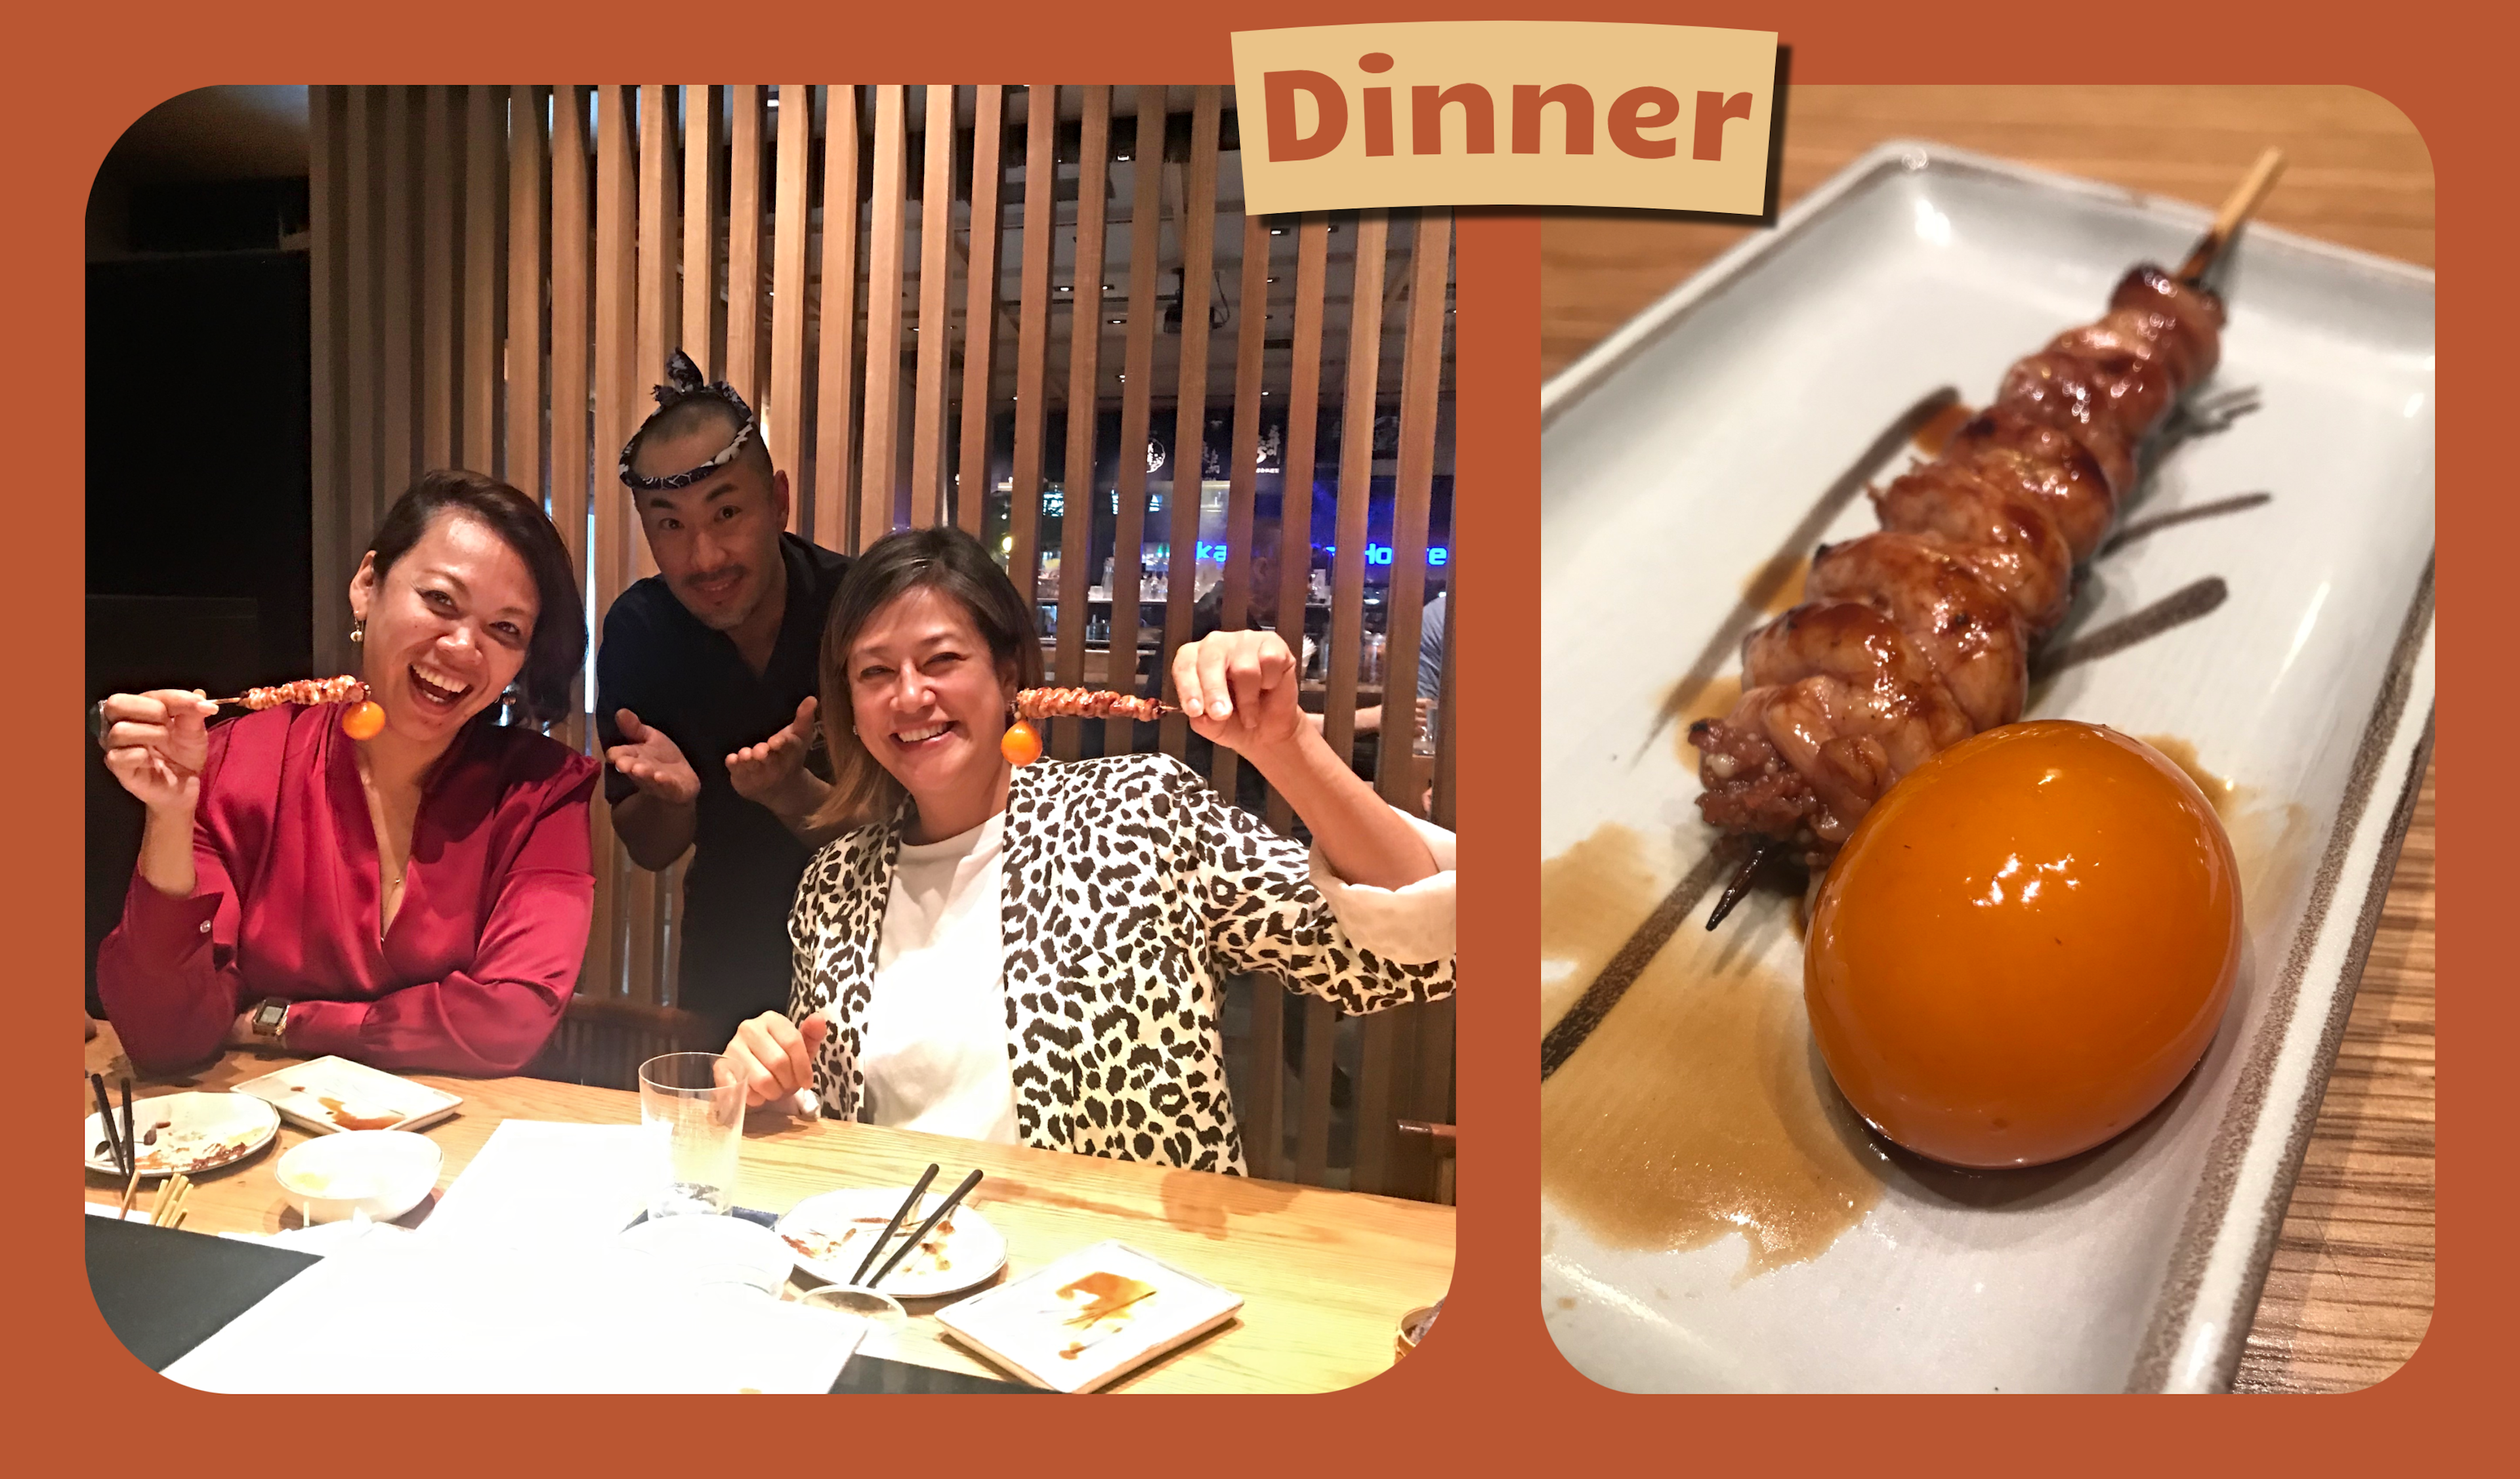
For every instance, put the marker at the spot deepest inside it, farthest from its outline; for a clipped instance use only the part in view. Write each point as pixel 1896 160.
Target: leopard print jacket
pixel 1132 890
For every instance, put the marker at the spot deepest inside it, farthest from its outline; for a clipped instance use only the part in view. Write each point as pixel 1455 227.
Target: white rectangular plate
pixel 1044 1326
pixel 1681 456
pixel 331 1094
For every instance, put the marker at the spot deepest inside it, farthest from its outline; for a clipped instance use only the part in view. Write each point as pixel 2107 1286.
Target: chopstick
pixel 171 1198
pixel 909 1202
pixel 130 1189
pixel 130 1143
pixel 933 1218
pixel 112 1130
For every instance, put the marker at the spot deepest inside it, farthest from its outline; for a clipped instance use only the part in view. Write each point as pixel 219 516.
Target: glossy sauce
pixel 1697 1113
pixel 333 1110
pixel 1936 435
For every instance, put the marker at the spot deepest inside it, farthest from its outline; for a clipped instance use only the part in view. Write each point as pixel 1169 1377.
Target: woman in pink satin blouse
pixel 418 900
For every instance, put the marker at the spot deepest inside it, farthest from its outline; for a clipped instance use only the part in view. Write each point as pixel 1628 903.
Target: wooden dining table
pixel 1326 1276
pixel 2350 1292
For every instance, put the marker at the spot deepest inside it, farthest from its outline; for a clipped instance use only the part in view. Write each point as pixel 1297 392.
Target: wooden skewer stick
pixel 1735 891
pixel 2236 210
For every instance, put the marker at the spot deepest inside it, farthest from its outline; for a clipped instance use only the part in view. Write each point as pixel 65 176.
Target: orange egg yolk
pixel 2025 945
pixel 1021 744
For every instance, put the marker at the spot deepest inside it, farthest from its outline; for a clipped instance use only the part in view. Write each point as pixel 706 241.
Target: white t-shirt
pixel 935 1046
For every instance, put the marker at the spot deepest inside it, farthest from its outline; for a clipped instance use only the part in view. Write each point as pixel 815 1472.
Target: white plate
pixel 1683 453
pixel 331 1094
pixel 716 1250
pixel 1077 1323
pixel 190 1132
pixel 830 1233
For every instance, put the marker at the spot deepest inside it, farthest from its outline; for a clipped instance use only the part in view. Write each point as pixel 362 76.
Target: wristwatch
pixel 270 1018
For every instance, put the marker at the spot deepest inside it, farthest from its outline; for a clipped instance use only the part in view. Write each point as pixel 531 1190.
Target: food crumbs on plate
pixel 1697 1112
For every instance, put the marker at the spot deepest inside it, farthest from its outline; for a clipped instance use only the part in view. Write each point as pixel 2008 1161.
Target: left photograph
pixel 833 702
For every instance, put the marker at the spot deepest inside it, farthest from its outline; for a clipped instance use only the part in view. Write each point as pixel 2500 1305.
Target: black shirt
pixel 679 675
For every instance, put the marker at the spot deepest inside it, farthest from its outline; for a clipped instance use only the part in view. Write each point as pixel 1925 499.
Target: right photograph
pixel 1986 796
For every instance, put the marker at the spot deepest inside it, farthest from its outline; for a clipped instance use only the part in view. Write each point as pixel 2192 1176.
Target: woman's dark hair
pixel 952 563
pixel 556 653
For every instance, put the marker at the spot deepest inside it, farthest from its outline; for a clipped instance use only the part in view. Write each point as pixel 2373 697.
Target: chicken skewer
pixel 364 718
pixel 1021 743
pixel 1919 635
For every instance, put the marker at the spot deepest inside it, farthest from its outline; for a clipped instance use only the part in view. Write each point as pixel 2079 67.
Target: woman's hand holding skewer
pixel 1238 690
pixel 155 743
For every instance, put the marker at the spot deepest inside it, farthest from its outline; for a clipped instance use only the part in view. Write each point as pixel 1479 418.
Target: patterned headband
pixel 682 382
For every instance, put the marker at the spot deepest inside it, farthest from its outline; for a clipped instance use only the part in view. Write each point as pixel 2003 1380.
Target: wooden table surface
pixel 1326 1276
pixel 2351 1290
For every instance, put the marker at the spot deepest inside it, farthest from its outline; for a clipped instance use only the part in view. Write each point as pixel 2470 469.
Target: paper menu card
pixel 415 1315
pixel 550 1186
pixel 1083 1321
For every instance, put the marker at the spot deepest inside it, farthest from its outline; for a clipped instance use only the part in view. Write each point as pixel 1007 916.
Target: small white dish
pixel 193 1132
pixel 376 1174
pixel 716 1250
pixel 1086 1319
pixel 830 1233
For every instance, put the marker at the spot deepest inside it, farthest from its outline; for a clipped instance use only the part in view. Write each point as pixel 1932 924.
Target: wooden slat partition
pixel 970 484
pixel 1137 390
pixel 1084 394
pixel 936 327
pixel 834 420
pixel 1190 420
pixel 616 316
pixel 330 179
pixel 1355 481
pixel 1033 333
pixel 1303 410
pixel 879 484
pixel 439 309
pixel 572 276
pixel 742 368
pixel 702 332
pixel 481 274
pixel 396 438
pixel 786 407
pixel 478 391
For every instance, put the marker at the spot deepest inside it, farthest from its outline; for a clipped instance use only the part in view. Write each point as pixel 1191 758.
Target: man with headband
pixel 706 682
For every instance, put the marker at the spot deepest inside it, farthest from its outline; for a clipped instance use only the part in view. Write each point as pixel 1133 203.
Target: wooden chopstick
pixel 130 1189
pixel 906 1204
pixel 170 1198
pixel 920 1236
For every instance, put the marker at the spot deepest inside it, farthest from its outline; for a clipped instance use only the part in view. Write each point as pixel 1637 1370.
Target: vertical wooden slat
pixel 616 317
pixel 1032 333
pixel 1084 383
pixel 524 358
pixel 936 327
pixel 744 244
pixel 1421 373
pixel 438 307
pixel 1355 481
pixel 395 433
pixel 571 240
pixel 970 484
pixel 658 284
pixel 879 484
pixel 1444 710
pixel 1137 388
pixel 1250 348
pixel 1303 412
pixel 330 179
pixel 479 402
pixel 1189 416
pixel 1313 1122
pixel 699 337
pixel 834 468
pixel 785 403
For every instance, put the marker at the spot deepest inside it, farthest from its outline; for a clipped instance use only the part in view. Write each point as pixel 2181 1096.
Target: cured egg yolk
pixel 2025 946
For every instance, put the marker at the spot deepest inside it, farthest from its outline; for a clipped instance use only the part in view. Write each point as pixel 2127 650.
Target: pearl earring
pixel 359 633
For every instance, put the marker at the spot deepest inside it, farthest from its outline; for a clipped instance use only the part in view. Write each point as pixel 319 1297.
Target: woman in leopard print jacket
pixel 1038 954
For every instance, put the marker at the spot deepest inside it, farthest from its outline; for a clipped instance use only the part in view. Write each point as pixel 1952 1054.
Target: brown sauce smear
pixel 2271 841
pixel 1698 1114
pixel 1107 1295
pixel 334 1111
pixel 1776 587
pixel 1593 896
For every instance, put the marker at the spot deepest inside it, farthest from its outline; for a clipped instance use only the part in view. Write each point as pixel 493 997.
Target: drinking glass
pixel 692 1106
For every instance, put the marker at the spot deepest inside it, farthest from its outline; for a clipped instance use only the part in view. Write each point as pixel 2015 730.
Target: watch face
pixel 268 1017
